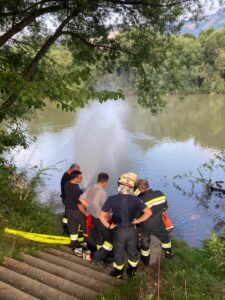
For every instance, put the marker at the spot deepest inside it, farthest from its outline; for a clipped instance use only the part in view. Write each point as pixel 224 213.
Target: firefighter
pixel 125 208
pixel 157 202
pixel 66 177
pixel 94 198
pixel 75 211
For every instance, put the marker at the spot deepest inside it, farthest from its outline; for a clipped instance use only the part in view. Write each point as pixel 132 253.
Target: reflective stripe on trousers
pixel 166 245
pixel 107 246
pixel 74 237
pixel 117 266
pixel 133 263
pixel 64 220
pixel 145 252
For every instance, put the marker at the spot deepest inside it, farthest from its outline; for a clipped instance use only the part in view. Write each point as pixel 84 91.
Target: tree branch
pixel 145 3
pixel 93 45
pixel 27 20
pixel 18 11
pixel 30 68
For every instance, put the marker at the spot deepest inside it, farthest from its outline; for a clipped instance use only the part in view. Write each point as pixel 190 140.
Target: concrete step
pixel 54 281
pixel 8 292
pixel 80 261
pixel 31 286
pixel 66 260
pixel 58 270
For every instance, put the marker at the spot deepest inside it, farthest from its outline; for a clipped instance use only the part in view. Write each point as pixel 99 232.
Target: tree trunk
pixel 44 49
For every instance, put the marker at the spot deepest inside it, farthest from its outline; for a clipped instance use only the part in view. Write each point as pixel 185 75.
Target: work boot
pixel 168 253
pixel 145 260
pixel 74 245
pixel 100 254
pixel 108 260
pixel 116 273
pixel 100 263
pixel 131 271
pixel 78 252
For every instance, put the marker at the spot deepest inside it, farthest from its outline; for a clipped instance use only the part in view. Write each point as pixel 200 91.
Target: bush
pixel 20 209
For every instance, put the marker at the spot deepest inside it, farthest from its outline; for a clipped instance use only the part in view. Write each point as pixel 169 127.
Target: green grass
pixel 11 246
pixel 195 273
pixel 20 209
pixel 138 288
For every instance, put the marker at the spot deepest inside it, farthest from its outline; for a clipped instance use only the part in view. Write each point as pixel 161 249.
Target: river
pixel 119 136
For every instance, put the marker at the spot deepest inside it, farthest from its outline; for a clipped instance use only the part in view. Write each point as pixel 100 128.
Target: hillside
pixel 216 20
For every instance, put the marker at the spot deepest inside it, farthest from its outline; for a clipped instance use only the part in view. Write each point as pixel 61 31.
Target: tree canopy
pixel 31 69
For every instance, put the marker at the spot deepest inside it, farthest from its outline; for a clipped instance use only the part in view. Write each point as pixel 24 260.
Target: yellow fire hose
pixel 37 237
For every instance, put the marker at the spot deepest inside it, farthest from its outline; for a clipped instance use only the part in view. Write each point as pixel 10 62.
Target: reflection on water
pixel 199 117
pixel 119 136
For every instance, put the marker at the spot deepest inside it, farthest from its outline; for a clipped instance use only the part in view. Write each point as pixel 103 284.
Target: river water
pixel 119 136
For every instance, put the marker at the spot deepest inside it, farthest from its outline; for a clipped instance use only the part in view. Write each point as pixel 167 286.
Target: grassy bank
pixel 193 273
pixel 19 209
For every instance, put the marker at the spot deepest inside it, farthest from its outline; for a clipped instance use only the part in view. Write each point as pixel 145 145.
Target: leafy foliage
pixel 19 205
pixel 199 61
pixel 195 273
pixel 31 70
pixel 204 174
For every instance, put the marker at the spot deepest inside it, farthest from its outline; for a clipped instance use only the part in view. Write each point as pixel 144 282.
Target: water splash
pixel 101 143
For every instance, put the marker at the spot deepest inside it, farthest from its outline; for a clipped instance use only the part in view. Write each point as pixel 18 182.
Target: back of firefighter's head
pixel 74 167
pixel 76 176
pixel 142 185
pixel 103 179
pixel 126 183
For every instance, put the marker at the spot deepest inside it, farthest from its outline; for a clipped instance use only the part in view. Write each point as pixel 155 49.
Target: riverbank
pixel 193 273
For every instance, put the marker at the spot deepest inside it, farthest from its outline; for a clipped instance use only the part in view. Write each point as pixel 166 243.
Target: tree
pixel 31 27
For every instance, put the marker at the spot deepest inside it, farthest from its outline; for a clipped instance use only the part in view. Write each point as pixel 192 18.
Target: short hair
pixel 75 167
pixel 75 174
pixel 143 184
pixel 103 177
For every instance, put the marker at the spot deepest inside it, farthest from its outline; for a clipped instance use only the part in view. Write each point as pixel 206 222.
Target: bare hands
pixel 135 222
pixel 112 226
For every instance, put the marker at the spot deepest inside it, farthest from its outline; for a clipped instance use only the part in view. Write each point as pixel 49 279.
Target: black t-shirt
pixel 65 178
pixel 125 208
pixel 157 202
pixel 72 194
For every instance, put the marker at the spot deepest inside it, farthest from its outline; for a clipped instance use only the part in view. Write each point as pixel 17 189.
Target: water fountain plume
pixel 101 142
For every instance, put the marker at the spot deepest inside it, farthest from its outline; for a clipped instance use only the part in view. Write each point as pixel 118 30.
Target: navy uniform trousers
pixel 125 239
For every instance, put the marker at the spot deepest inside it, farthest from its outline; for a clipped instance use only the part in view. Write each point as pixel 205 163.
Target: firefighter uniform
pixel 157 202
pixel 65 178
pixel 125 209
pixel 75 217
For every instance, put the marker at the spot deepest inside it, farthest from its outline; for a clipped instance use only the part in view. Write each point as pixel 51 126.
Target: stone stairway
pixel 55 274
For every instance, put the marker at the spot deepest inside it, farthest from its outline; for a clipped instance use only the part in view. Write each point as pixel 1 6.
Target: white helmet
pixel 129 179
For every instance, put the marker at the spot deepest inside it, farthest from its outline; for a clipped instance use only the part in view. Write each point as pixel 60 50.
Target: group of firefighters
pixel 114 226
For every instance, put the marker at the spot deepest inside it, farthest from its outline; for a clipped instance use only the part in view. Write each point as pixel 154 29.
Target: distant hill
pixel 216 20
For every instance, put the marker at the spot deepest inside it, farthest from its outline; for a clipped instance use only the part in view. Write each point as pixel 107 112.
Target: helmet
pixel 128 179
